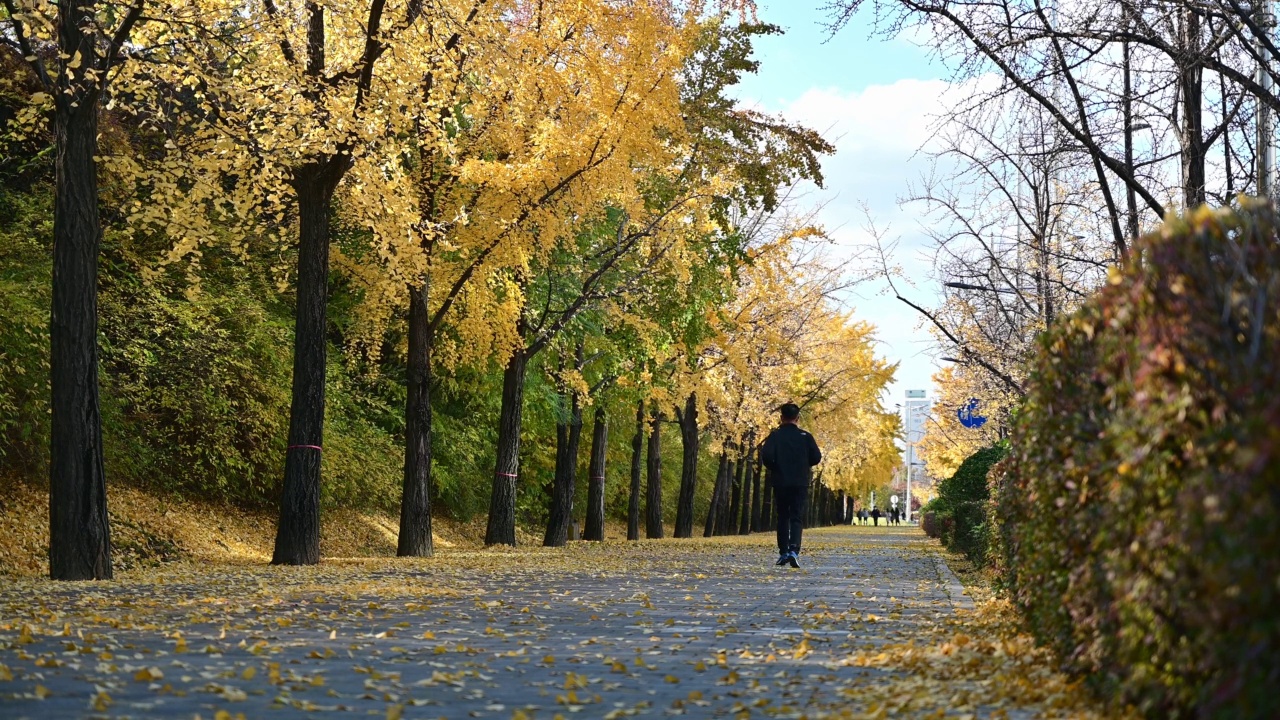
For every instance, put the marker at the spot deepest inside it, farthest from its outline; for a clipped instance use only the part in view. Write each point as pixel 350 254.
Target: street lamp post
pixel 910 461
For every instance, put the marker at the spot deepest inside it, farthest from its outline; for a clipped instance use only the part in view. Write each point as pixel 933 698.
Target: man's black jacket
pixel 789 453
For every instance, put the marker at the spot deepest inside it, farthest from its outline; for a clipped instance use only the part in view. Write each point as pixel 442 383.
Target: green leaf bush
pixel 958 516
pixel 929 522
pixel 1137 509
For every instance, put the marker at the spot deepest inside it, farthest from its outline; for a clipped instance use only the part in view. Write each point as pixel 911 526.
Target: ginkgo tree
pixel 788 339
pixel 553 115
pixel 290 101
pixel 75 49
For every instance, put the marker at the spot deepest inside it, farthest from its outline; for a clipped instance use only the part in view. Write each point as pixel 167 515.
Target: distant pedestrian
pixel 864 516
pixel 875 516
pixel 789 455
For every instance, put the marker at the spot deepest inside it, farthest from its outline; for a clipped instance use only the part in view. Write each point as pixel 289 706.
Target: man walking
pixel 789 455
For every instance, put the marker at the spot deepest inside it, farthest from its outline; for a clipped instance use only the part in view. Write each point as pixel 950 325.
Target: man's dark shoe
pixel 782 559
pixel 793 558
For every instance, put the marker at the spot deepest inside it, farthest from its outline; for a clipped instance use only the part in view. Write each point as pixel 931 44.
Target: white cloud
pixel 882 134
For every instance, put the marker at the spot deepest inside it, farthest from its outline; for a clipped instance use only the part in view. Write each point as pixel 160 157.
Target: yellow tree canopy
pixel 563 112
pixel 946 442
pixel 786 340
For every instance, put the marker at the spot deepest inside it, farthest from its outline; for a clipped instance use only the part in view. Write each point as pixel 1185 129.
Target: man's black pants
pixel 790 502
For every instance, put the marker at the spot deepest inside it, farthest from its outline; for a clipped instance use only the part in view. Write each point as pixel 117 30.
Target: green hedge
pixel 958 516
pixel 1138 506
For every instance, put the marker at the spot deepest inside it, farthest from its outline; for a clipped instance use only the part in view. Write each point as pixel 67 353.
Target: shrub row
pixel 958 516
pixel 1138 505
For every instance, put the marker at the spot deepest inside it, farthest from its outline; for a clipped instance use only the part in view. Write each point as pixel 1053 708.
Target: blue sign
pixel 968 414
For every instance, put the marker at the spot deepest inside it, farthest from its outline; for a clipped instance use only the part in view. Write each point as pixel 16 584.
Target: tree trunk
pixel 766 504
pixel 595 471
pixel 724 513
pixel 819 511
pixel 298 535
pixel 735 499
pixel 1193 150
pixel 415 498
pixel 568 439
pixel 79 529
pixel 716 491
pixel 502 501
pixel 688 467
pixel 757 484
pixel 810 506
pixel 748 469
pixel 637 447
pixel 653 490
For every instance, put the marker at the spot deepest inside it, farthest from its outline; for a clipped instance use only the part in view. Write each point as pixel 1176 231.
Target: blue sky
pixel 876 100
pixel 806 57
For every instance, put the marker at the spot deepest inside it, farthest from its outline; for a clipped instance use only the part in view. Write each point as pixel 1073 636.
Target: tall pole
pixel 910 464
pixel 1266 128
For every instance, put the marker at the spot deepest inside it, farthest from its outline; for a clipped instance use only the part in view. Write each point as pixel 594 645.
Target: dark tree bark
pixel 773 511
pixel 1190 75
pixel 727 511
pixel 653 488
pixel 747 468
pixel 314 181
pixel 298 534
pixel 757 503
pixel 810 506
pixel 819 510
pixel 595 471
pixel 637 464
pixel 688 466
pixel 716 492
pixel 415 500
pixel 502 502
pixel 735 499
pixel 568 439
pixel 79 528
pixel 766 504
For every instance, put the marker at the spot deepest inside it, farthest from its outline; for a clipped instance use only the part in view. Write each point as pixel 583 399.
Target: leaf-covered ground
pixel 701 628
pixel 150 528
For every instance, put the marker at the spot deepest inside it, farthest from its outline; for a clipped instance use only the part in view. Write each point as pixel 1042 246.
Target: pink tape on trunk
pixel 304 447
pixel 506 475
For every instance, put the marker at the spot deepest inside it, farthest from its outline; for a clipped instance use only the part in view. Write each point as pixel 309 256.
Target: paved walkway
pixel 704 629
